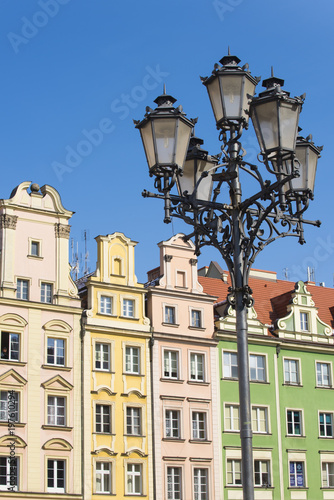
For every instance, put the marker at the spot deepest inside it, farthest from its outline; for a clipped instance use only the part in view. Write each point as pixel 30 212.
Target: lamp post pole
pixel 239 229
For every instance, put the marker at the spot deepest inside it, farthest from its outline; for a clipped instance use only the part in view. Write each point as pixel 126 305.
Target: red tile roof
pixel 272 297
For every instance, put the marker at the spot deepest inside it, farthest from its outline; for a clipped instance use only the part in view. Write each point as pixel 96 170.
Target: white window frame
pixel 330 374
pixel 57 408
pixel 178 364
pixel 287 380
pixel 199 495
pixel 294 423
pixel 19 291
pixel 258 408
pixel 47 291
pixel 194 375
pixel 325 413
pixel 10 359
pixel 174 493
pixel 30 243
pixel 131 370
pixel 132 475
pixel 233 472
pixel 56 489
pixel 196 425
pixel 260 473
pixel 104 305
pixel 329 476
pixel 229 366
pixel 201 317
pixel 169 419
pixel 173 309
pixel 257 368
pixel 100 351
pixel 6 405
pixel 124 299
pixel 295 461
pixel 56 339
pixel 103 405
pixel 230 417
pixel 16 487
pixel 304 319
pixel 103 472
pixel 133 414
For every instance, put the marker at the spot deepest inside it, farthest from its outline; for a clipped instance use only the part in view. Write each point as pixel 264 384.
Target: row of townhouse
pixel 112 388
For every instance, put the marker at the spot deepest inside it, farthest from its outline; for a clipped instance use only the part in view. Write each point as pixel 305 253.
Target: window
pixel 56 352
pixel 9 406
pixel 326 424
pixel 294 422
pixel 132 359
pixel 102 419
pixel 34 248
pixel 133 420
pixel 9 473
pixel 296 473
pixel 103 477
pixel 56 410
pixel 171 362
pixel 304 323
pixel 323 374
pixel 230 360
pixel 128 308
pixel 102 356
pixel 56 476
pixel 259 419
pixel 172 424
pixel 197 367
pixel 134 479
pixel 170 315
pixel 10 346
pixel 291 371
pixel 234 472
pixel 201 484
pixel 232 418
pixel 257 366
pixel 196 318
pixel 327 469
pixel 22 290
pixel 46 293
pixel 261 473
pixel 105 304
pixel 174 482
pixel 199 425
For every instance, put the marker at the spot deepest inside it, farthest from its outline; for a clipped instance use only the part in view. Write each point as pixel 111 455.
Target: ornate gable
pixel 227 323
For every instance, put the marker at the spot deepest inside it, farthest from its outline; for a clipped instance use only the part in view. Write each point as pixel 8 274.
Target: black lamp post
pixel 238 228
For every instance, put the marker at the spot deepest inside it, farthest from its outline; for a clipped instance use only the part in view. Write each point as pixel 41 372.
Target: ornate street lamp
pixel 238 228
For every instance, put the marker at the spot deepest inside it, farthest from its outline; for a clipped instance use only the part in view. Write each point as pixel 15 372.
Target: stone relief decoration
pixel 8 221
pixel 62 230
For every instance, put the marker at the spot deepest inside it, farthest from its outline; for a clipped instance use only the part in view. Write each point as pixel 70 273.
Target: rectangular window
pixel 10 346
pixel 261 473
pixel 56 410
pixel 34 249
pixel 9 406
pixel 132 359
pixel 170 315
pixel 134 479
pixel 196 318
pixel 259 419
pixel 327 469
pixel 234 472
pixel 46 293
pixel 291 371
pixel 230 369
pixel 56 352
pixel 171 364
pixel 128 308
pixel 304 323
pixel 133 420
pixel 105 304
pixel 103 477
pixel 201 487
pixel 172 424
pixel 199 425
pixel 232 418
pixel 296 473
pixel 326 424
pixel 102 419
pixel 9 473
pixel 22 290
pixel 56 476
pixel 257 365
pixel 197 367
pixel 323 374
pixel 174 483
pixel 294 422
pixel 102 356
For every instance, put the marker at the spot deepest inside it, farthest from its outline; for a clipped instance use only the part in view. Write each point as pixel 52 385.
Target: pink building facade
pixel 40 408
pixel 185 392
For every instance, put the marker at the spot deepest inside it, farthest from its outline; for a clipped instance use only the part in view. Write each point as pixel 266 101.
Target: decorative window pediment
pixel 12 378
pixel 57 444
pixel 7 440
pixel 12 321
pixel 57 325
pixel 57 383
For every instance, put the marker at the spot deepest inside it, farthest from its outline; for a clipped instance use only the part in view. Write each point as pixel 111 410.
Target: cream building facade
pixel 40 379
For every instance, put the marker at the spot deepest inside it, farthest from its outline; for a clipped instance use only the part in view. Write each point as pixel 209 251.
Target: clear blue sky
pixel 71 66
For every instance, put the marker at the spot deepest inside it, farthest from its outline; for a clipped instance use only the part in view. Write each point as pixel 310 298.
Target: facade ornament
pixel 193 262
pixel 62 231
pixel 8 221
pixel 168 258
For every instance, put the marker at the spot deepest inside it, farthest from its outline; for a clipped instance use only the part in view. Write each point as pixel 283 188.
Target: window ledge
pixel 10 361
pixel 4 423
pixel 57 367
pixel 294 436
pixel 171 439
pixel 130 374
pixel 129 317
pixel 57 428
pixel 104 433
pixel 234 379
pixel 134 435
pixel 292 385
pixel 106 314
pixel 36 257
pixel 98 370
pixel 325 437
pixel 198 441
pixel 198 382
pixel 175 380
pixel 297 487
pixel 259 382
pixel 197 328
pixel 174 325
pixel 327 387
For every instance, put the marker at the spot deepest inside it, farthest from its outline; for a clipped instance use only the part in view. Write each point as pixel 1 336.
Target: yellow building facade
pixel 116 375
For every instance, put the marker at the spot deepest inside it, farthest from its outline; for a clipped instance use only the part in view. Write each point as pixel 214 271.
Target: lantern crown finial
pixel 164 100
